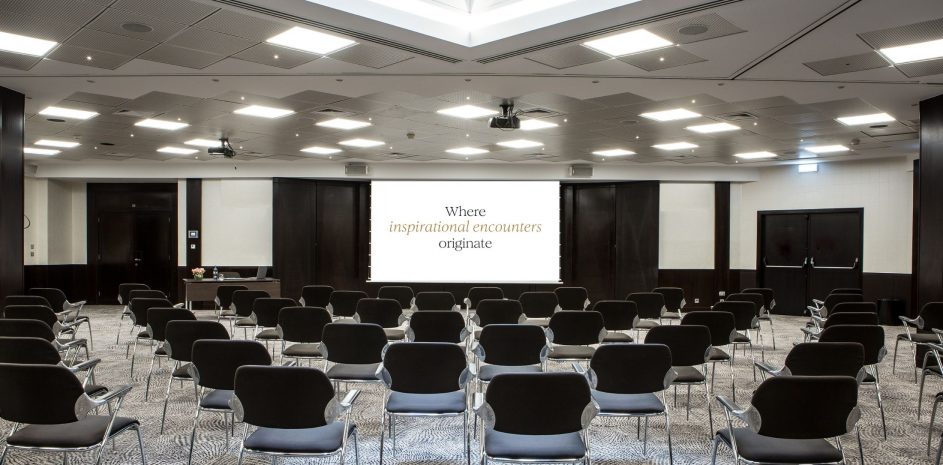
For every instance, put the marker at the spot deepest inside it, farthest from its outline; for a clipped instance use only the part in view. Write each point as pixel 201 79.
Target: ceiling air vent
pixel 135 113
pixel 738 116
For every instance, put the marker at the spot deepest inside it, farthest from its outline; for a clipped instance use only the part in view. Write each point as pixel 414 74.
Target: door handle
pixel 853 266
pixel 786 267
pixel 137 260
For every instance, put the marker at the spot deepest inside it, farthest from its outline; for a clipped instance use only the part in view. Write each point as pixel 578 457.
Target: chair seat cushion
pixel 160 351
pixel 616 336
pixel 537 447
pixel 95 390
pixel 268 334
pixel 718 355
pixel 299 441
pixel 920 337
pixel 638 404
pixel 217 399
pixel 144 335
pixel 571 352
pixel 670 315
pixel 353 372
pixel 446 402
pixel 227 314
pixel 247 322
pixel 71 318
pixel 538 321
pixel 646 324
pixel 741 338
pixel 303 350
pixel 183 371
pixel 84 433
pixel 395 334
pixel 689 375
pixel 756 448
pixel 488 372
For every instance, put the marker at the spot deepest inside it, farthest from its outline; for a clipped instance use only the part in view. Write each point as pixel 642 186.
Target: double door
pixel 805 254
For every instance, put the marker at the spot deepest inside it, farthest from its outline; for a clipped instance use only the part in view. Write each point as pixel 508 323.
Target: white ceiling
pixel 205 55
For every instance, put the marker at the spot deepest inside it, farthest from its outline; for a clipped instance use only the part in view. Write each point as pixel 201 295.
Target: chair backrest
pixel 674 297
pixel 825 359
pixel 539 304
pixel 144 294
pixel 757 300
pixel 242 301
pixel 794 407
pixel 124 290
pixel 383 312
pixel 181 334
pixel 425 367
pixel 302 324
pixel 744 313
pixel 512 344
pixel 224 294
pixel 853 307
pixel 721 325
pixel 353 343
pixel 688 343
pixel 56 297
pixel 437 326
pixel 576 328
pixel 158 317
pixel 39 394
pixel 266 310
pixel 631 368
pixel 572 298
pixel 871 337
pixel 140 305
pixel 26 300
pixel 316 295
pixel 834 299
pixel 33 350
pixel 851 318
pixel 477 294
pixel 495 311
pixel 650 304
pixel 538 403
pixel 215 361
pixel 617 315
pixel 16 327
pixel 932 315
pixel 402 294
pixel 436 300
pixel 344 303
pixel 847 290
pixel 283 397
pixel 34 312
pixel 769 296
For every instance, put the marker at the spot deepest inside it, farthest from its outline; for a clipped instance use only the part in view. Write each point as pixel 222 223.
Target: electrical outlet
pixel 722 293
pixel 697 301
pixel 32 254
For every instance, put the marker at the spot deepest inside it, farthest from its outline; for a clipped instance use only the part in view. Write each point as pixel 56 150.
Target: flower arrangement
pixel 198 273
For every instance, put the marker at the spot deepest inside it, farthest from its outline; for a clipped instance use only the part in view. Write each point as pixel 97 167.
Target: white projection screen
pixel 465 231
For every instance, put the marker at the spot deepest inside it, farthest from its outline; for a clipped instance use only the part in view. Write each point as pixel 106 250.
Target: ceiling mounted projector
pixel 224 149
pixel 507 120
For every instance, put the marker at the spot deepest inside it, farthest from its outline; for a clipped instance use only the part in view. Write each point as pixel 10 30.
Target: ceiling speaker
pixel 581 171
pixel 355 169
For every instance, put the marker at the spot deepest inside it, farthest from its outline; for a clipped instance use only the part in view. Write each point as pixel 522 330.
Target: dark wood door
pixel 152 252
pixel 115 253
pixel 783 258
pixel 592 263
pixel 835 245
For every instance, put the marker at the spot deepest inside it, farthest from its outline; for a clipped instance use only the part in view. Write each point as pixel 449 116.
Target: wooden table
pixel 204 290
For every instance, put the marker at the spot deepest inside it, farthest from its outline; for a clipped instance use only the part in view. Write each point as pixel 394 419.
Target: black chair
pixel 179 346
pixel 26 300
pixel 871 337
pixel 265 313
pixel 124 298
pixel 424 379
pixel 920 331
pixel 145 294
pixel 223 301
pixel 302 327
pixel 294 411
pixel 495 311
pixel 242 302
pixel 619 317
pixel 535 417
pixel 13 327
pixel 674 302
pixel 651 307
pixel 69 312
pixel 821 359
pixel 509 348
pixel 626 379
pixel 343 304
pixel 437 326
pixel 766 312
pixel 690 347
pixel 723 330
pixel 316 296
pixel 44 314
pixel 477 294
pixel 539 306
pixel 139 308
pixel 847 290
pixel 387 313
pixel 435 300
pixel 744 320
pixel 790 421
pixel 842 318
pixel 573 335
pixel 758 302
pixel 38 351
pixel 572 298
pixel 846 307
pixel 822 308
pixel 402 294
pixel 51 401
pixel 157 319
pixel 214 368
pixel 353 352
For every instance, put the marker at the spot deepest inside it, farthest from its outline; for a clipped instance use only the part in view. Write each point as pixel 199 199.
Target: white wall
pixel 884 188
pixel 237 222
pixel 686 226
pixel 57 214
pixel 35 203
pixel 181 222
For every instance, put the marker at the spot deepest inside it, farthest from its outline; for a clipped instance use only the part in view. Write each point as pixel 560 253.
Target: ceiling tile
pixel 922 68
pixel 79 56
pixel 848 64
pixel 18 61
pixel 665 58
pixel 111 43
pixel 179 11
pixel 370 56
pixel 567 56
pixel 78 11
pixel 112 21
pixel 265 54
pixel 248 27
pixel 39 27
pixel 904 35
pixel 696 29
pixel 180 56
pixel 210 41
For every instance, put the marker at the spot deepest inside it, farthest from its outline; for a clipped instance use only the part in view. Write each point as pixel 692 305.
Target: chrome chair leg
pixel 936 402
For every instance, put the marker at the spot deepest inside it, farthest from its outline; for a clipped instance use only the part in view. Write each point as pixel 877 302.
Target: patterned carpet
pixel 425 441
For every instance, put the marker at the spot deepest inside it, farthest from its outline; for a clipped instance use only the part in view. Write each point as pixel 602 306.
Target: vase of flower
pixel 198 273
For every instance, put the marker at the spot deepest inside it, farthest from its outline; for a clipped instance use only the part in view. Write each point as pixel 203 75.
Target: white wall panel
pixel 686 226
pixel 237 222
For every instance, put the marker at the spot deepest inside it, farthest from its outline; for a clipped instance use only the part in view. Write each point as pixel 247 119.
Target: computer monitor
pixel 261 273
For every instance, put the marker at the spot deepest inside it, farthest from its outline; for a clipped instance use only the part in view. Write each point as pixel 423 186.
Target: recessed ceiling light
pixel 865 119
pixel 36 151
pixel 310 41
pixel 808 168
pixel 670 115
pixel 204 142
pixel 25 45
pixel 263 111
pixel 914 52
pixel 68 113
pixel 361 143
pixel 161 124
pixel 613 152
pixel 755 155
pixel 675 146
pixel 343 123
pixel 467 111
pixel 467 151
pixel 534 124
pixel 827 148
pixel 177 150
pixel 628 43
pixel 65 144
pixel 320 150
pixel 712 128
pixel 520 144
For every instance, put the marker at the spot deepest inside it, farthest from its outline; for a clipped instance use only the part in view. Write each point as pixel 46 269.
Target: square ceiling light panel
pixel 628 43
pixel 670 115
pixel 61 112
pixel 25 45
pixel 306 40
pixel 343 123
pixel 263 111
pixel 467 112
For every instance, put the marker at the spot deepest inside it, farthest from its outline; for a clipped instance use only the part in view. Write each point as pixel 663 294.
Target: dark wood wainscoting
pixel 72 279
pixel 928 227
pixel 12 121
pixel 889 286
pixel 740 279
pixel 698 285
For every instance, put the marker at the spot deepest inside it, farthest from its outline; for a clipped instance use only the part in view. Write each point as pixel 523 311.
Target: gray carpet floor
pixel 438 441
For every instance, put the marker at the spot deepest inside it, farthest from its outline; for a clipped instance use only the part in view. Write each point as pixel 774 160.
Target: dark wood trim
pixel 12 123
pixel 915 244
pixel 194 251
pixel 72 279
pixel 721 237
pixel 698 285
pixel 928 268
